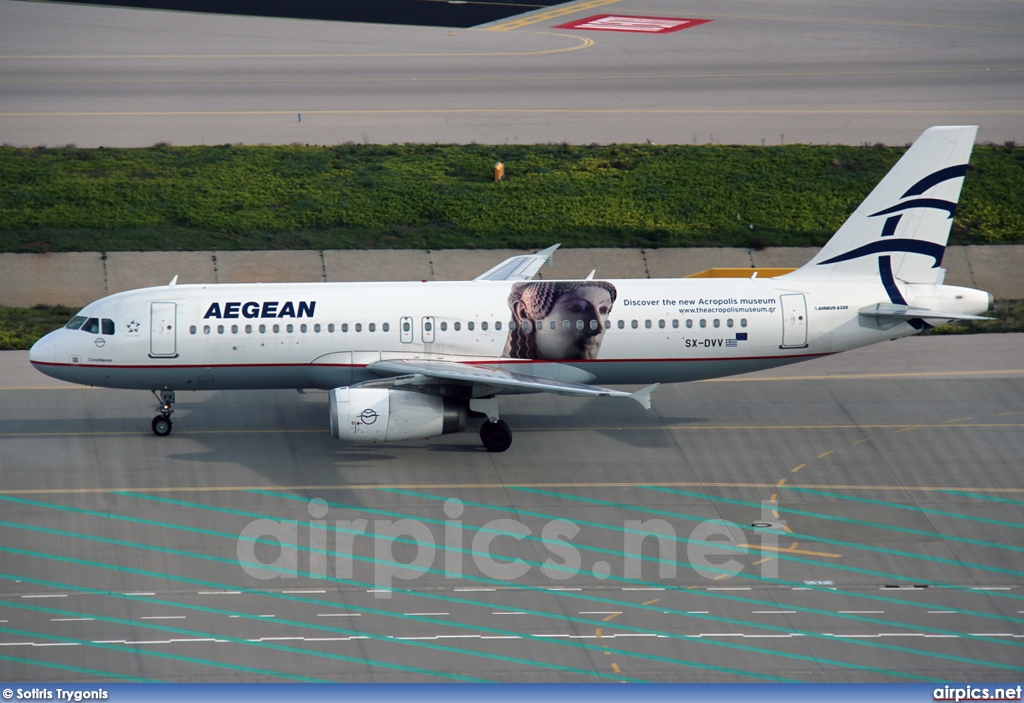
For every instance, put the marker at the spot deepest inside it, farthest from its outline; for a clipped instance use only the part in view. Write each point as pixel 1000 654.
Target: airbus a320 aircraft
pixel 413 360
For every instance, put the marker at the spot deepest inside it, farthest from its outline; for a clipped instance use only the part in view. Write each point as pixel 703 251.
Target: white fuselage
pixel 323 335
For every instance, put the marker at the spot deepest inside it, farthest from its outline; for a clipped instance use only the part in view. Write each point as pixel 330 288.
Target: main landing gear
pixel 162 423
pixel 496 436
pixel 495 433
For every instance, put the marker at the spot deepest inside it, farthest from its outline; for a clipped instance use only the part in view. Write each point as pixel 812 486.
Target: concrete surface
pixel 761 72
pixel 896 468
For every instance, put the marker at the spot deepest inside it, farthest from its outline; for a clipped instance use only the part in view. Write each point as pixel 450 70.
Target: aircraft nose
pixel 43 352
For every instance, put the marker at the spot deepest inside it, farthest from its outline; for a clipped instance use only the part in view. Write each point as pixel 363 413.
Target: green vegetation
pixel 21 327
pixel 443 196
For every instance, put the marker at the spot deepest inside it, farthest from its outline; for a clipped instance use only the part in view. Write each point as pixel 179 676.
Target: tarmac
pixel 855 518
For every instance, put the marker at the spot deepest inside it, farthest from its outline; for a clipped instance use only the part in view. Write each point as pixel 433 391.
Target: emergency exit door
pixel 794 321
pixel 163 330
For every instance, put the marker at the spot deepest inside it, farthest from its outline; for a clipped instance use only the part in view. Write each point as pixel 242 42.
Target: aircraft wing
pixel 895 311
pixel 417 372
pixel 518 268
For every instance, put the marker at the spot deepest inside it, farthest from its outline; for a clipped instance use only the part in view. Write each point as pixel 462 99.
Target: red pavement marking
pixel 627 23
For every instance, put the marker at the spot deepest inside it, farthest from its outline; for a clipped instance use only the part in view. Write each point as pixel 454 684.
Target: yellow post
pixel 499 171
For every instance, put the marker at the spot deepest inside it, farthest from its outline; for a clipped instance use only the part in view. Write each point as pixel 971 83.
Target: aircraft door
pixel 794 321
pixel 405 330
pixel 428 330
pixel 163 328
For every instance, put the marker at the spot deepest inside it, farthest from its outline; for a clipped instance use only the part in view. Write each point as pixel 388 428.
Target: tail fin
pixel 901 228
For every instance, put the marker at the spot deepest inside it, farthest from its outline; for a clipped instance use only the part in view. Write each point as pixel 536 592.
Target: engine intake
pixel 386 414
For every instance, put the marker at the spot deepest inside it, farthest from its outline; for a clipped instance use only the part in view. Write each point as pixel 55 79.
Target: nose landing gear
pixel 162 423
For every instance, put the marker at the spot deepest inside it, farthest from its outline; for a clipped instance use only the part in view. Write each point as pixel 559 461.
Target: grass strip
pixel 421 196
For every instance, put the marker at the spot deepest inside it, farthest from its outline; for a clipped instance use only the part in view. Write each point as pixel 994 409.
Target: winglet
pixel 643 396
pixel 174 281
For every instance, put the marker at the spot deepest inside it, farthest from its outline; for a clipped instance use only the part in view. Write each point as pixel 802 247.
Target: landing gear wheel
pixel 496 436
pixel 162 422
pixel 161 426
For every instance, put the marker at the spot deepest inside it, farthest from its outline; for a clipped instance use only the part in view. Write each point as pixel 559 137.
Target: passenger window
pixel 248 329
pixel 728 323
pixel 277 328
pixel 234 329
pixel 92 326
pixel 689 324
pixel 743 322
pixel 716 322
pixel 497 325
pixel 206 329
pixel 192 329
pixel 75 322
pixel 359 327
pixel 703 322
pixel 622 324
pixel 406 326
pixel 108 326
pixel 470 325
pixel 675 324
pixel 444 326
pixel 552 324
pixel 608 324
pixel 579 325
pixel 483 325
pixel 344 327
pixel 634 324
pixel 565 324
pixel 458 326
pixel 263 329
pixel 220 329
pixel 372 327
pixel 593 324
pixel 661 324
pixel 427 327
pixel 302 328
pixel 330 328
pixel 316 328
pixel 385 327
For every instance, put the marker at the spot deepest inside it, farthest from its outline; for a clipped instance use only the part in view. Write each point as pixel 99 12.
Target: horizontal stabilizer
pixel 895 311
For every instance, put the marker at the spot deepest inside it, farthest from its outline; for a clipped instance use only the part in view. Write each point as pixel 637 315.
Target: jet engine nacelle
pixel 386 414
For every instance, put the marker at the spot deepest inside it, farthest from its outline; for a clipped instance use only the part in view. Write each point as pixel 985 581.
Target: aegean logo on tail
pixel 914 246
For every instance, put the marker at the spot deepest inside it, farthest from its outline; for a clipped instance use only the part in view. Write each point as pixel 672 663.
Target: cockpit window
pixel 92 326
pixel 108 326
pixel 75 322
